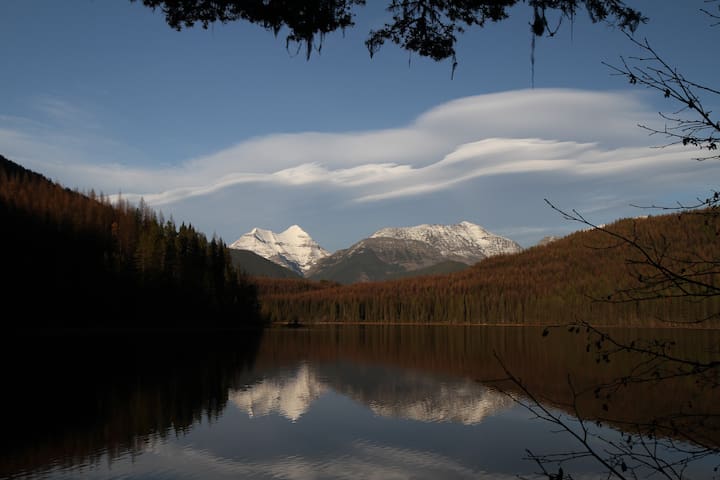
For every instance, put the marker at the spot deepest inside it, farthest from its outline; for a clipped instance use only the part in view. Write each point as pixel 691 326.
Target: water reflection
pixel 466 403
pixel 545 364
pixel 387 391
pixel 287 395
pixel 71 403
pixel 381 402
pixel 363 460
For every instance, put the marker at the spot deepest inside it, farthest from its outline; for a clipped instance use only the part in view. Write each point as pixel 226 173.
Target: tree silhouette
pixel 103 265
pixel 429 28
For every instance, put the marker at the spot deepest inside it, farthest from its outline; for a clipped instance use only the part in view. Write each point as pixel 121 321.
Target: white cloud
pixel 549 140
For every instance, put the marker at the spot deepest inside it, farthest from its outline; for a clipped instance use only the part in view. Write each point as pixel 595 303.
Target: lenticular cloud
pixel 571 132
pixel 547 140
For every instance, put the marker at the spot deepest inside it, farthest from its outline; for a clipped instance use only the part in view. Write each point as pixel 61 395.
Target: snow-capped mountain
pixel 420 250
pixel 464 242
pixel 388 253
pixel 293 248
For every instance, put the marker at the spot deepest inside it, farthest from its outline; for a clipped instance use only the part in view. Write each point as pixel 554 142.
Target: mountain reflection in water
pixel 287 395
pixel 340 402
pixel 389 392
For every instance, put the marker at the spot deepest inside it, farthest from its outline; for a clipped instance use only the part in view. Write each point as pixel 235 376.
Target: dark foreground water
pixel 350 402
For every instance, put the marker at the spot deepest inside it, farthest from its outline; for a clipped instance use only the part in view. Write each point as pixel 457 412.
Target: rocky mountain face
pixel 426 249
pixel 374 259
pixel 293 249
pixel 463 242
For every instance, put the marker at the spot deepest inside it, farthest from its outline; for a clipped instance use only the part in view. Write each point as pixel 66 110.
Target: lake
pixel 343 402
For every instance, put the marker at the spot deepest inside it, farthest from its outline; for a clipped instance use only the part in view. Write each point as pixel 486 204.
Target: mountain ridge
pixel 464 240
pixel 395 252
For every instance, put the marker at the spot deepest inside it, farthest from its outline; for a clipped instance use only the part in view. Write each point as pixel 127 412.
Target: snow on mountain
pixel 386 252
pixel 463 241
pixel 293 248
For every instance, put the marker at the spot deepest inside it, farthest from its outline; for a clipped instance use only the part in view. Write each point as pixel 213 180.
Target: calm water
pixel 351 402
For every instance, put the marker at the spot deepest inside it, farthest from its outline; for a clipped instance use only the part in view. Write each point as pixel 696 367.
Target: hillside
pixel 370 263
pixel 362 262
pixel 437 269
pixel 588 275
pixel 75 260
pixel 253 265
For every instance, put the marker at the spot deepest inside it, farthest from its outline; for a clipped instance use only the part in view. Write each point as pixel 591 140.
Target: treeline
pixel 587 276
pixel 75 260
pixel 268 286
pixel 142 389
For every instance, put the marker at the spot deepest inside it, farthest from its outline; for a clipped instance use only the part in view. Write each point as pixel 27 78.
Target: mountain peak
pixel 293 248
pixel 294 230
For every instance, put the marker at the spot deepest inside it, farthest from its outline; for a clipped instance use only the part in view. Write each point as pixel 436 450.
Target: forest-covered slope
pixel 75 260
pixel 253 265
pixel 587 276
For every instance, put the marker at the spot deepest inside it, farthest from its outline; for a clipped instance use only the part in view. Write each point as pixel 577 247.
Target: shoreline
pixel 487 324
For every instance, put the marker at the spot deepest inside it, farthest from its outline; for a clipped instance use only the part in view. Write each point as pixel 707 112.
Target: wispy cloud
pixel 60 110
pixel 440 132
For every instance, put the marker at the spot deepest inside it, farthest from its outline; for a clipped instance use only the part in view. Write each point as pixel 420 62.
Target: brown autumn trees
pixel 567 280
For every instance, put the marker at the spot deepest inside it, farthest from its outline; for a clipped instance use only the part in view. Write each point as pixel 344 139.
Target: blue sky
pixel 226 129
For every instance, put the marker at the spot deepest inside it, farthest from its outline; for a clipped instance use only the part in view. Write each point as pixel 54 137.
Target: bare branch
pixel 692 124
